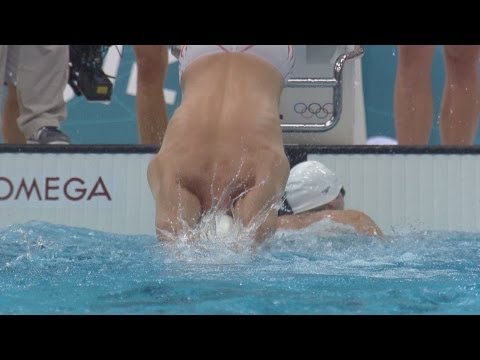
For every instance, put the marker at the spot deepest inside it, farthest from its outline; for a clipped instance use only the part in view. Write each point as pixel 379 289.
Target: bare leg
pixel 256 206
pixel 152 62
pixel 10 130
pixel 461 95
pixel 413 94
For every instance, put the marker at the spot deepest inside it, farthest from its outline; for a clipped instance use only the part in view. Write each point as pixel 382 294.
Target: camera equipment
pixel 176 50
pixel 86 76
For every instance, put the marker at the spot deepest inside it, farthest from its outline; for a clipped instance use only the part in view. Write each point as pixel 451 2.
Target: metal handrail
pixel 336 83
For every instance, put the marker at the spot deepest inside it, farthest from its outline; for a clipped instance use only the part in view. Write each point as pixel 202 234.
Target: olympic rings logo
pixel 313 109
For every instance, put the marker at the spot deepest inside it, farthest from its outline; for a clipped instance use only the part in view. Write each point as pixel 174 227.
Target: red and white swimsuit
pixel 282 57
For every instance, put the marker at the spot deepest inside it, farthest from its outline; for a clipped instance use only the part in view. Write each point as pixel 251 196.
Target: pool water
pixel 53 269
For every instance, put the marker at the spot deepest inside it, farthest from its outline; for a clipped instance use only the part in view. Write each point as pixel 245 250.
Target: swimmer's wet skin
pixel 230 111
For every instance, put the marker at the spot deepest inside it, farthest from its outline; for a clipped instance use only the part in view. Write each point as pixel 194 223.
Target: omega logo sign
pixel 53 189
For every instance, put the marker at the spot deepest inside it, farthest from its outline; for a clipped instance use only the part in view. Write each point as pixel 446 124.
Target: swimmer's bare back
pixel 223 147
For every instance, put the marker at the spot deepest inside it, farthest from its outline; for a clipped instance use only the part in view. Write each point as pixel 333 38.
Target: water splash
pixel 204 244
pixel 47 268
pixel 204 241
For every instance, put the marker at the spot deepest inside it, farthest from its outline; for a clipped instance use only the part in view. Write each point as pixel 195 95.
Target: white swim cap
pixel 310 185
pixel 224 225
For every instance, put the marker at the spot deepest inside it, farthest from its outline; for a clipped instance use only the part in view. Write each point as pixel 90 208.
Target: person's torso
pixel 228 122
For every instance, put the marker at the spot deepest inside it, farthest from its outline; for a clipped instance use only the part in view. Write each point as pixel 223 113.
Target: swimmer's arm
pixel 289 222
pixel 300 221
pixel 360 221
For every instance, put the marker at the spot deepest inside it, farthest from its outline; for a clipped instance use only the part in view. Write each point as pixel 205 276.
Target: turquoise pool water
pixel 52 269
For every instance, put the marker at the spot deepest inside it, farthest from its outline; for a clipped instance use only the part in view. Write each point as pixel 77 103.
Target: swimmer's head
pixel 313 186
